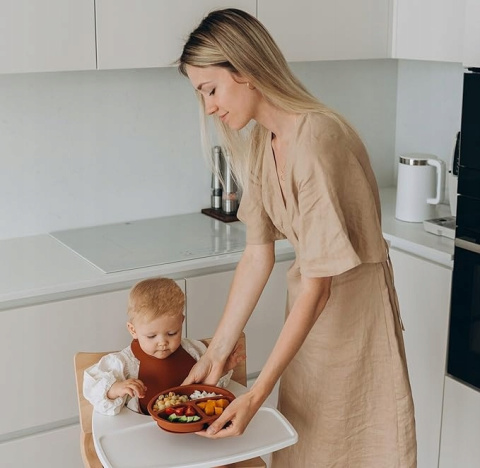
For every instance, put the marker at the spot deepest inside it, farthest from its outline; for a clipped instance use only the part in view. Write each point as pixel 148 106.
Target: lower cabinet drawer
pixel 59 448
pixel 37 345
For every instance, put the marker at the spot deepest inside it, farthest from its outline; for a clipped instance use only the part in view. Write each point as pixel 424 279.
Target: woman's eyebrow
pixel 199 87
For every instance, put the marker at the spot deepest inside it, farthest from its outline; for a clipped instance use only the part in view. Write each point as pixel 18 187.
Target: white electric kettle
pixel 419 186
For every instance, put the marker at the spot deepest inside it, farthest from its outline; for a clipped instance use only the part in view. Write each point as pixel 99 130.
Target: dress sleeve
pixel 340 226
pixel 260 229
pixel 98 379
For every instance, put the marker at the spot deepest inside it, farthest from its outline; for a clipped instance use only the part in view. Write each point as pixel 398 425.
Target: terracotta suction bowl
pixel 161 417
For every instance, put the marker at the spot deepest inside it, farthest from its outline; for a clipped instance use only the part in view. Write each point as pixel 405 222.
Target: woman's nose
pixel 210 107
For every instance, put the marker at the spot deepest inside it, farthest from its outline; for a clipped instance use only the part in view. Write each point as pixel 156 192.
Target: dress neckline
pixel 275 172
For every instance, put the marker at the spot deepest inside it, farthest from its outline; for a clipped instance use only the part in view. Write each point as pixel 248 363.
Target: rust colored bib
pixel 160 374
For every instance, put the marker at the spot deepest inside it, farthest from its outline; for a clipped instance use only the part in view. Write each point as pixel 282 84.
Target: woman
pixel 306 176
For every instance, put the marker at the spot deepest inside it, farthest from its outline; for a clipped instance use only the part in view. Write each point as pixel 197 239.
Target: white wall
pixel 86 148
pixel 398 106
pixel 429 107
pixel 364 91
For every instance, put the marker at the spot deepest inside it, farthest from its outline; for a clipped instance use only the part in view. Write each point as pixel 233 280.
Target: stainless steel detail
pixel 470 246
pixel 229 206
pixel 229 196
pixel 216 197
pixel 413 161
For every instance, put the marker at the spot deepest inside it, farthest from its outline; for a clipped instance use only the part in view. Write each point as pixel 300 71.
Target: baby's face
pixel 159 337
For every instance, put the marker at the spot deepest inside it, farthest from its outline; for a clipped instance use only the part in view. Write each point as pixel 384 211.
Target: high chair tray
pixel 132 440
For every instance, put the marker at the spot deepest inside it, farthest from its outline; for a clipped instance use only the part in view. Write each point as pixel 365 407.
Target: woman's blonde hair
pixel 237 41
pixel 154 297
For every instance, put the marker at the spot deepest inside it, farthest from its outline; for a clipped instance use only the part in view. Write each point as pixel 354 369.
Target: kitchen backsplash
pixel 429 101
pixel 85 148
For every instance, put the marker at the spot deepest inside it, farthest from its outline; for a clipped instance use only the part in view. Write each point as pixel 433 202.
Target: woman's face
pixel 225 94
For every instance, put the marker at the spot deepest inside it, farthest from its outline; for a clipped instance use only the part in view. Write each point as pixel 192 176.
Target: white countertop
pixel 40 268
pixel 412 237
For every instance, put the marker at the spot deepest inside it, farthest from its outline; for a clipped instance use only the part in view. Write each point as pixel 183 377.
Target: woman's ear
pixel 243 79
pixel 132 331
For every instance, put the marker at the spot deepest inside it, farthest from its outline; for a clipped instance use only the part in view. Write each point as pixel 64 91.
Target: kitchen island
pixel 39 268
pixel 54 303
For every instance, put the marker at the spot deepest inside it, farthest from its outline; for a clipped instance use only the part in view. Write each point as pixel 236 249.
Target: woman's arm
pixel 250 277
pixel 307 308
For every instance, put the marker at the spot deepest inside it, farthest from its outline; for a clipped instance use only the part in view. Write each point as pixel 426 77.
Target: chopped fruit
pixel 180 411
pixel 222 403
pixel 210 408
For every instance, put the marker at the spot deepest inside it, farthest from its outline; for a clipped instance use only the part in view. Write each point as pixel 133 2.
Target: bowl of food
pixel 189 408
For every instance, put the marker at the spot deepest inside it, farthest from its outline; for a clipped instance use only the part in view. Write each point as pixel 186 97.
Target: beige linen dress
pixel 347 391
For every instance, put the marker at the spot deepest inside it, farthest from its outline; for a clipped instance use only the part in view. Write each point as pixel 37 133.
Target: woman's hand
pixel 207 370
pixel 132 387
pixel 236 357
pixel 236 417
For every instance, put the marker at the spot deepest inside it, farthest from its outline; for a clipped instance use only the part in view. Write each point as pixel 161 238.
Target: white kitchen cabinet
pixel 460 426
pixel 206 299
pixel 471 39
pixel 366 29
pixel 150 33
pixel 58 448
pixel 47 35
pixel 37 345
pixel 308 30
pixel 423 289
pixel 428 29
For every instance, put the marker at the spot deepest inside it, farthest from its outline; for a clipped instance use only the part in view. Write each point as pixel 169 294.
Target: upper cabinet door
pixel 150 33
pixel 47 35
pixel 471 40
pixel 308 30
pixel 428 30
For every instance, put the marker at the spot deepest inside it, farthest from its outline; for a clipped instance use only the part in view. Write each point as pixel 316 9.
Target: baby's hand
pixel 132 387
pixel 236 357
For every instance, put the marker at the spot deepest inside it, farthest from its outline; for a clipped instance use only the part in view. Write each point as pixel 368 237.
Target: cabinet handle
pixel 470 246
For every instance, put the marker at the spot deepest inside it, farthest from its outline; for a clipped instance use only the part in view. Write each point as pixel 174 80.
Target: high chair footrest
pixel 251 463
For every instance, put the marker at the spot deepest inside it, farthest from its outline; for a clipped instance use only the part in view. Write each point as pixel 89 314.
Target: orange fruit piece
pixel 218 411
pixel 222 403
pixel 210 408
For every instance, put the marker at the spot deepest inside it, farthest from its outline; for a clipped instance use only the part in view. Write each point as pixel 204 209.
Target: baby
pixel 157 358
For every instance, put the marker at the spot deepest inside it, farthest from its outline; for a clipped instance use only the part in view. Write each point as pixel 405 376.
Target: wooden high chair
pixel 83 360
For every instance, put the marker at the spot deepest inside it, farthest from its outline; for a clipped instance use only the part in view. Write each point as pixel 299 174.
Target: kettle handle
pixel 440 181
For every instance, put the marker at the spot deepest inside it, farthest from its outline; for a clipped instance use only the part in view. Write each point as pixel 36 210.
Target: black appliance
pixel 464 333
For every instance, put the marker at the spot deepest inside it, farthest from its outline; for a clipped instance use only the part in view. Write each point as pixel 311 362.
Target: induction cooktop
pixel 149 242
